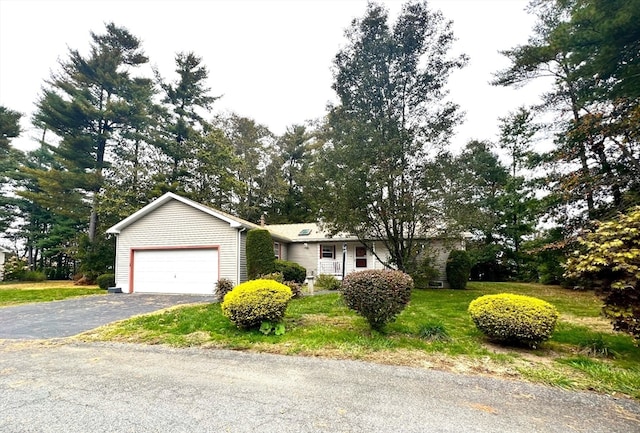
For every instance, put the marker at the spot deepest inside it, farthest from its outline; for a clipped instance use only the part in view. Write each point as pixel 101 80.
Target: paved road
pixel 73 316
pixel 56 387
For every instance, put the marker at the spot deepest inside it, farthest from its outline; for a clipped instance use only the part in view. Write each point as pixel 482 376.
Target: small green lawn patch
pixel 323 326
pixel 23 293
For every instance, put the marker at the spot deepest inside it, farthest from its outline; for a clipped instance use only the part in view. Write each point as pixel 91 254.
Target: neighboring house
pixel 175 245
pixel 4 256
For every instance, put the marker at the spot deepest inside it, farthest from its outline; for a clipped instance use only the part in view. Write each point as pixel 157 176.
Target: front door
pixel 361 257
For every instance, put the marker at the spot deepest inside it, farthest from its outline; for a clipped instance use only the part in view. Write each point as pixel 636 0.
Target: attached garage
pixel 182 270
pixel 175 245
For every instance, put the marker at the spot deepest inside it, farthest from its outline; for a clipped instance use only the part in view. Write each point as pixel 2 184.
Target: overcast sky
pixel 271 60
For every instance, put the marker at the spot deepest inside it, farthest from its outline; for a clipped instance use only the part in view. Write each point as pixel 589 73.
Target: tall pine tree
pixel 88 104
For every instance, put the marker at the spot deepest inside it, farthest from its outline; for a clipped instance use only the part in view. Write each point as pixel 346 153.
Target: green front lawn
pixel 27 292
pixel 583 354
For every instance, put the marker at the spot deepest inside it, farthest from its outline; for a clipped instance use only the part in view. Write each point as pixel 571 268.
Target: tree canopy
pixel 392 116
pixel 114 136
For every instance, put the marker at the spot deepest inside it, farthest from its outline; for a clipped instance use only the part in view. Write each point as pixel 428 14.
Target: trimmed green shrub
pixel 256 301
pixel 424 273
pixel 327 282
pixel 291 271
pixel 458 269
pixel 514 319
pixel 377 295
pixel 260 257
pixel 105 281
pixel 223 286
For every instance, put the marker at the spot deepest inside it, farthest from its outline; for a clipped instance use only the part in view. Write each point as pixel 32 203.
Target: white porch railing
pixel 330 267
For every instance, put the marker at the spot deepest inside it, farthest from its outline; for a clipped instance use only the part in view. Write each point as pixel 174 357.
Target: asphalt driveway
pixel 73 316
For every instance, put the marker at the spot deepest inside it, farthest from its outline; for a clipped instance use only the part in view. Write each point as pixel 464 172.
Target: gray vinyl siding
pixel 243 258
pixel 440 249
pixel 176 224
pixel 372 261
pixel 306 257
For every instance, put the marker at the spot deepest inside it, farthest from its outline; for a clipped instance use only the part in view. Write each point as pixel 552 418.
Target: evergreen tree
pixel 9 162
pixel 295 155
pixel 260 183
pixel 590 48
pixel 185 101
pixel 9 128
pixel 86 105
pixel 518 202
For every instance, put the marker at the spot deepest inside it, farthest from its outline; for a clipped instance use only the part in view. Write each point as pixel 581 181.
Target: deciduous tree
pixel 392 115
pixel 609 260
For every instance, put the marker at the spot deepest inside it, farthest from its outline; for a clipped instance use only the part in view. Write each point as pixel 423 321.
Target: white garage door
pixel 175 271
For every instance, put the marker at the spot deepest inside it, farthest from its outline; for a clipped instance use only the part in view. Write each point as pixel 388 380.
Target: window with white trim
pixel 327 251
pixel 277 252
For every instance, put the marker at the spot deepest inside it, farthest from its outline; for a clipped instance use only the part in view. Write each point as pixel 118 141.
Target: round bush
pixel 377 295
pixel 251 303
pixel 514 319
pixel 458 269
pixel 105 281
pixel 291 271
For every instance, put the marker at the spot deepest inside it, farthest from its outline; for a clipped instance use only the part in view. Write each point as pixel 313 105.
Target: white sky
pixel 270 59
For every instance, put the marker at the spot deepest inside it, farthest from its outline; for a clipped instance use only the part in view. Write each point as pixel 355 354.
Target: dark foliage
pixel 105 281
pixel 260 258
pixel 291 271
pixel 458 269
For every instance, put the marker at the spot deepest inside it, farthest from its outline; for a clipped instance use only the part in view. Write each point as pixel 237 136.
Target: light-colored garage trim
pixel 165 248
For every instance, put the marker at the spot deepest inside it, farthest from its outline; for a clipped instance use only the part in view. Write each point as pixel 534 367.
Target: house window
pixel 361 257
pixel 276 250
pixel 327 251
